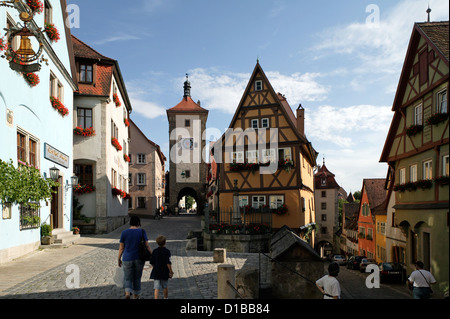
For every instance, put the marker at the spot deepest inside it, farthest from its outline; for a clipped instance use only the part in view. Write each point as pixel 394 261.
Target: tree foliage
pixel 23 185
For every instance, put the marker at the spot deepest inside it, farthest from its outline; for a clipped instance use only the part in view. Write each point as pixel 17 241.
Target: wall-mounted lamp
pixel 74 182
pixel 54 173
pixel 183 174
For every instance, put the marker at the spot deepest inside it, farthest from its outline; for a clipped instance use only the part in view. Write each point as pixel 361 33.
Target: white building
pixel 34 132
pixel 100 150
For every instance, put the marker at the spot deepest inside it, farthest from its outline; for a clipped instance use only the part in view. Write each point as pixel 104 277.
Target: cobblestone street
pixel 42 274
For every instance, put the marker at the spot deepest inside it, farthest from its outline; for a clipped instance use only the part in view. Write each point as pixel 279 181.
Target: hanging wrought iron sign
pixel 25 59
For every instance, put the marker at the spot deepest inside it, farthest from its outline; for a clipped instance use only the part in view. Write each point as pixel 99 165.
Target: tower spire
pixel 428 12
pixel 187 87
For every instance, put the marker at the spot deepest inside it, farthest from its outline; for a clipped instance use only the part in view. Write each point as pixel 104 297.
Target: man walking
pixel 421 280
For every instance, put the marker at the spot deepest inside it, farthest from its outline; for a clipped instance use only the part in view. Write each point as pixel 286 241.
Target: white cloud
pixel 223 90
pixel 348 126
pixel 116 38
pixel 147 109
pixel 379 47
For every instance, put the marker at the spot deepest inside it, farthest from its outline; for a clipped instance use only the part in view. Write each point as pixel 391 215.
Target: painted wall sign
pixel 52 154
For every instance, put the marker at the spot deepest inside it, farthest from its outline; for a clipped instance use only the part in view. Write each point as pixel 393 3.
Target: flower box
pixel 116 143
pixel 36 6
pixel 437 118
pixel 286 164
pixel 52 32
pixel 84 131
pixel 32 79
pixel 57 105
pixel 442 180
pixel 116 99
pixel 424 184
pixel 118 192
pixel 127 123
pixel 126 158
pixel 281 210
pixel 83 189
pixel 414 129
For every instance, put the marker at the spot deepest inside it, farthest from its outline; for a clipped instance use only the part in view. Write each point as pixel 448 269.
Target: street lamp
pixel 73 180
pixel 54 173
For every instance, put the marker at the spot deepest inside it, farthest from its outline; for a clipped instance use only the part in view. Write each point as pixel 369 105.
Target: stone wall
pixel 237 243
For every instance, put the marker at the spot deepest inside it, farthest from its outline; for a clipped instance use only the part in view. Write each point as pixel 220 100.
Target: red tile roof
pixel 187 105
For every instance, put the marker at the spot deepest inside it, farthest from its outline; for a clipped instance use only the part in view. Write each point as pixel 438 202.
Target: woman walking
pixel 129 257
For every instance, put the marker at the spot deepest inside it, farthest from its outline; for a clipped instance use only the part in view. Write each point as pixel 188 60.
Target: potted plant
pixel 52 32
pixel 46 235
pixel 76 230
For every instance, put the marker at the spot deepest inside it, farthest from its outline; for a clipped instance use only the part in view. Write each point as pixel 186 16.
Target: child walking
pixel 162 268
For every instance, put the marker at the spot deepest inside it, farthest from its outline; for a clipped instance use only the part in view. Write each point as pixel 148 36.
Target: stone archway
pixel 324 248
pixel 188 191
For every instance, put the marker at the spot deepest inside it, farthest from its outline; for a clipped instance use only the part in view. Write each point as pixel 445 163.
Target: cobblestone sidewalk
pixel 48 274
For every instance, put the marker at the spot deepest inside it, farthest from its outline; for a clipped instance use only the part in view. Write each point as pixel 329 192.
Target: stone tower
pixel 187 176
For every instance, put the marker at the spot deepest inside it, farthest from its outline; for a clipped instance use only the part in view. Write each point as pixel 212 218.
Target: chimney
pixel 301 120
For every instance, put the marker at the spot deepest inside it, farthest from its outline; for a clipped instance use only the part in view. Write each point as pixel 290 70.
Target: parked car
pixel 392 272
pixel 338 259
pixel 364 262
pixel 354 261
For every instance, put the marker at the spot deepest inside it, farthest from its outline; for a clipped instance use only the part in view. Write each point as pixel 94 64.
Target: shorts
pixel 160 284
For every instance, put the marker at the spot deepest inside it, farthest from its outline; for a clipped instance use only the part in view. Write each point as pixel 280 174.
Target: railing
pixel 29 217
pixel 245 221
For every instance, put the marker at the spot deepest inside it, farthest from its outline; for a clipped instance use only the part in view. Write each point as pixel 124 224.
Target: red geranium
pixel 32 79
pixel 57 105
pixel 52 31
pixel 116 143
pixel 84 132
pixel 36 6
pixel 116 99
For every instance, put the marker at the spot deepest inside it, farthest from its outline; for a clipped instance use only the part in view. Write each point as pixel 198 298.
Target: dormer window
pixel 258 85
pixel 324 181
pixel 86 74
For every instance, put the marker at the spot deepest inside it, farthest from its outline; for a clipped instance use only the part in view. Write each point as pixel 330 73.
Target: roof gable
pixel 434 37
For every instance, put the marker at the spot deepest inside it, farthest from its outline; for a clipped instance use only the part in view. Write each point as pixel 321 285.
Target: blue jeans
pixel 421 293
pixel 132 276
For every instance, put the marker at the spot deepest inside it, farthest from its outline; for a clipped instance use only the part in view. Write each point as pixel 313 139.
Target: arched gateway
pixel 187 176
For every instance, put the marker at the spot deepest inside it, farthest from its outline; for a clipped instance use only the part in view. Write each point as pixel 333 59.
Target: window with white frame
pixel 56 88
pixel 427 172
pixel 445 171
pixel 258 85
pixel 276 201
pixel 441 102
pixel 255 124
pixel 402 176
pixel 140 179
pixel 413 173
pixel 237 157
pixel 113 178
pixel 284 154
pixel 243 201
pixel 258 201
pixel 268 155
pixel 265 123
pixel 252 157
pixel 141 159
pixel 418 115
pixel 48 12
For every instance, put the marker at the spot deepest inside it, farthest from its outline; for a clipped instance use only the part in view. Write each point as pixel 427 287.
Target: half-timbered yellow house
pixel 417 151
pixel 267 160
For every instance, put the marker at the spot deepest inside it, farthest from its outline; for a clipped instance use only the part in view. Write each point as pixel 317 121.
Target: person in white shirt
pixel 421 280
pixel 328 285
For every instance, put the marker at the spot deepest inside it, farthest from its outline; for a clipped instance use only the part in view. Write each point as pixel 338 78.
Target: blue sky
pixel 340 59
